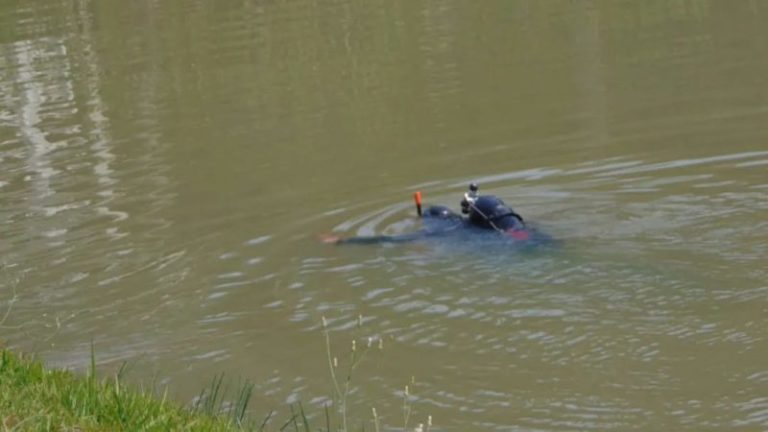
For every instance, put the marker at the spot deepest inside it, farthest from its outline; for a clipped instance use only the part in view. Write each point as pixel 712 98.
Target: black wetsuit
pixel 433 227
pixel 487 215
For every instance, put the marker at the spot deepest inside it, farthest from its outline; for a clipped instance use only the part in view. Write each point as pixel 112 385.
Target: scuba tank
pixel 489 211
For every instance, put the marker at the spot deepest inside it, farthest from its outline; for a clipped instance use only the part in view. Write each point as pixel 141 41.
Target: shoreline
pixel 34 397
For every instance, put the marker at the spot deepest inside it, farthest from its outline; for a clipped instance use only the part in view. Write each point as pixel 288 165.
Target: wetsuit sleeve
pixel 404 238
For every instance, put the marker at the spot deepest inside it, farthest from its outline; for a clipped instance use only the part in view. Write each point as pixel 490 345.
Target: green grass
pixel 33 398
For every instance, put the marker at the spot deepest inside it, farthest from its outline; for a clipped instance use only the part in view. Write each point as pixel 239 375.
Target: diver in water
pixel 485 213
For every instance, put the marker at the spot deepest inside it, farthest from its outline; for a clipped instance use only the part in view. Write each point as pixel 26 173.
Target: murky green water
pixel 166 167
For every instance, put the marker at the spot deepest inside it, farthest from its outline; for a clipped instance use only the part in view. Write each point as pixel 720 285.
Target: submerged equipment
pixel 488 211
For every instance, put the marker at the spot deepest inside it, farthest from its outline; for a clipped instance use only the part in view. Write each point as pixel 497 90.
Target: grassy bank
pixel 33 398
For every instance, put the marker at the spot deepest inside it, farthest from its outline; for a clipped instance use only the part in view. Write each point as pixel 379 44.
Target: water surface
pixel 166 168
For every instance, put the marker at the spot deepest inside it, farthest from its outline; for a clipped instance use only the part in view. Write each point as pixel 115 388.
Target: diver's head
pixel 490 212
pixel 441 218
pixel 439 212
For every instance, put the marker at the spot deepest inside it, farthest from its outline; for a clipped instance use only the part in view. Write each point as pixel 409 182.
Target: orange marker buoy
pixel 417 199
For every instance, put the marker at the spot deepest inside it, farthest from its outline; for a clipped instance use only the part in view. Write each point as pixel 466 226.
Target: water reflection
pixel 65 199
pixel 99 128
